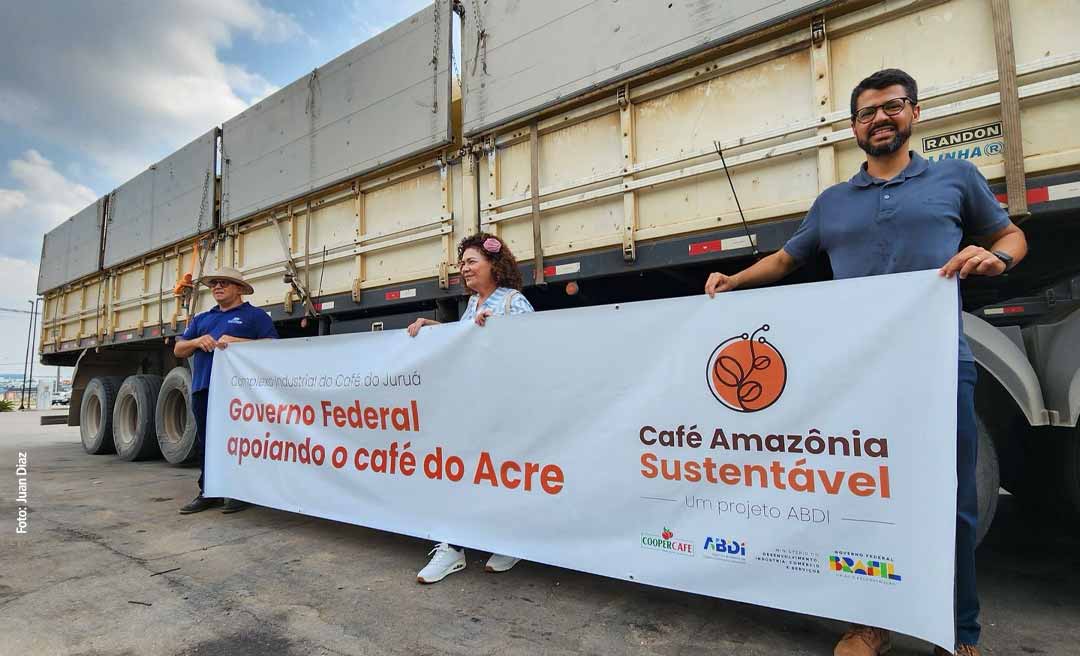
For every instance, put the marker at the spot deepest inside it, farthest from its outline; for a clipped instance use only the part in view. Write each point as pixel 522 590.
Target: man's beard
pixel 897 142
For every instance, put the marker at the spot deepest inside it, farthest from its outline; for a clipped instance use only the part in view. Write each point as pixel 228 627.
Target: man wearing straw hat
pixel 233 320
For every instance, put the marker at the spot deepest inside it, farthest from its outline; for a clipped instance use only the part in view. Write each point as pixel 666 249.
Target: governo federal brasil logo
pixel 746 372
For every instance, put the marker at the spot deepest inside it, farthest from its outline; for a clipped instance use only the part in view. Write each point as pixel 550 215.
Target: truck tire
pixel 1040 488
pixel 96 414
pixel 987 479
pixel 176 430
pixel 134 433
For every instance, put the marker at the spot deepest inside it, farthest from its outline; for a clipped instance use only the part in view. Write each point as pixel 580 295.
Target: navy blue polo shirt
pixel 913 222
pixel 244 320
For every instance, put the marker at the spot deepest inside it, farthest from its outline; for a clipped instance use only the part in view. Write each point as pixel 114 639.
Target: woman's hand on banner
pixel 414 327
pixel 482 315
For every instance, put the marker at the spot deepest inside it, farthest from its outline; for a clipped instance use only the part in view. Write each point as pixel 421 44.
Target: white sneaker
pixel 500 563
pixel 445 560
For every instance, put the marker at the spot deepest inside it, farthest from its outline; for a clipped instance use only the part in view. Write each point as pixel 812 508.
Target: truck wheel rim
pixel 93 416
pixel 126 424
pixel 175 413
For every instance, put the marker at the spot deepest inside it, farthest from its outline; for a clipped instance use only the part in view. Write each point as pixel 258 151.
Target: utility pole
pixel 33 354
pixel 26 358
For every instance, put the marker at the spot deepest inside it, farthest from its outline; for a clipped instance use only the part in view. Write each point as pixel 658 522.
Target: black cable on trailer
pixel 746 227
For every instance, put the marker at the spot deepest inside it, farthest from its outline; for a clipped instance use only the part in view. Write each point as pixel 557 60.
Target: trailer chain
pixel 481 40
pixel 435 59
pixel 203 205
pixel 312 110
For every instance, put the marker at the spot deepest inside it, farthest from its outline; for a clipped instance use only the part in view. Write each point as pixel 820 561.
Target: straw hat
pixel 230 274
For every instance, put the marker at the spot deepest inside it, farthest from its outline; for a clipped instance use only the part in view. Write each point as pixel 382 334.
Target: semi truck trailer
pixel 623 150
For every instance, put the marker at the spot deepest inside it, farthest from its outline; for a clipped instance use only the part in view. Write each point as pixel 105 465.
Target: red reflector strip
pixel 702 247
pixel 1034 196
pixel 1005 309
pixel 400 293
pixel 717 245
pixel 562 269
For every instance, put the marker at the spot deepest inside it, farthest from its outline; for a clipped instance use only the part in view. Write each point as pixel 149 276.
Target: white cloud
pixel 11 200
pixel 19 279
pixel 126 83
pixel 254 87
pixel 44 198
pixel 122 83
pixel 19 282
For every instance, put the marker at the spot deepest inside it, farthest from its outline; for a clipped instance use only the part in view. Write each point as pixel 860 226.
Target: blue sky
pixel 93 92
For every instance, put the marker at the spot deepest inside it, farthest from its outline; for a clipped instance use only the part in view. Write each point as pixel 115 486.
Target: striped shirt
pixel 497 303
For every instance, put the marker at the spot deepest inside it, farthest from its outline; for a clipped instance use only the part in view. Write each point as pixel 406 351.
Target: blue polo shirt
pixel 913 222
pixel 244 320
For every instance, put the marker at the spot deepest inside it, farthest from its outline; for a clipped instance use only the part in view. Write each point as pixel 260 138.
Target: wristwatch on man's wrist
pixel 1004 257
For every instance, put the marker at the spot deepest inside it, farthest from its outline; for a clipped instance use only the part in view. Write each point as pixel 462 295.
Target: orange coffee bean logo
pixel 746 373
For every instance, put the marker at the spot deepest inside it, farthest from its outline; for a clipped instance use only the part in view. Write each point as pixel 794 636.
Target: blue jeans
pixel 199 401
pixel 967 507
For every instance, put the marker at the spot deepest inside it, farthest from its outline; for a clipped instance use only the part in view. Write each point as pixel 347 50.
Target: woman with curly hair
pixel 490 272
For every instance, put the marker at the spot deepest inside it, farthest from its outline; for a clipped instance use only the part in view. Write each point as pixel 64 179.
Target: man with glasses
pixel 232 321
pixel 900 213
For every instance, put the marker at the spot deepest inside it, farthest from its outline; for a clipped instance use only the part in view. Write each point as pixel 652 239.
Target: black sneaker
pixel 199 504
pixel 235 505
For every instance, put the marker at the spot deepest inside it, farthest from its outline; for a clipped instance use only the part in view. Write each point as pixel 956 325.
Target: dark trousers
pixel 198 408
pixel 967 507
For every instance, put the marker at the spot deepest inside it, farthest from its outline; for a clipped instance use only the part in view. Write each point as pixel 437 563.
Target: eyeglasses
pixel 891 108
pixel 218 283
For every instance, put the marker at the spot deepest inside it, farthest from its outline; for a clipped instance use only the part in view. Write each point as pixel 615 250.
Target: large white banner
pixel 792 447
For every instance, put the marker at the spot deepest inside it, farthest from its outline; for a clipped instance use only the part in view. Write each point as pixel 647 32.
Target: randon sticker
pixel 960 137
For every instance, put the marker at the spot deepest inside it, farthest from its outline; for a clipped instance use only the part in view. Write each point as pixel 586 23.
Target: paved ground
pixel 109 567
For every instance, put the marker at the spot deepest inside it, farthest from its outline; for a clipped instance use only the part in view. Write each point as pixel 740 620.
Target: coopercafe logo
pixel 666 541
pixel 746 372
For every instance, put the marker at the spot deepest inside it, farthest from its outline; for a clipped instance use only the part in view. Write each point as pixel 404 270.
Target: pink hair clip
pixel 492 245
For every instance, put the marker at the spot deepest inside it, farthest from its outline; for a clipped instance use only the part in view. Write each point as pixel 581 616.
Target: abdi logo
pixel 746 372
pixel 722 548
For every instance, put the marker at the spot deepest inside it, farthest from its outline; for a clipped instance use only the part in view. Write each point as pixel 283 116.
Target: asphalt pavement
pixel 107 566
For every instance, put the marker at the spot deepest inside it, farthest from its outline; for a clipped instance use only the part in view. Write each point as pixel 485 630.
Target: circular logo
pixel 747 373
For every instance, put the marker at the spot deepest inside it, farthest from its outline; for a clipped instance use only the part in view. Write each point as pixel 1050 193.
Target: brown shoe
pixel 863 641
pixel 961 650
